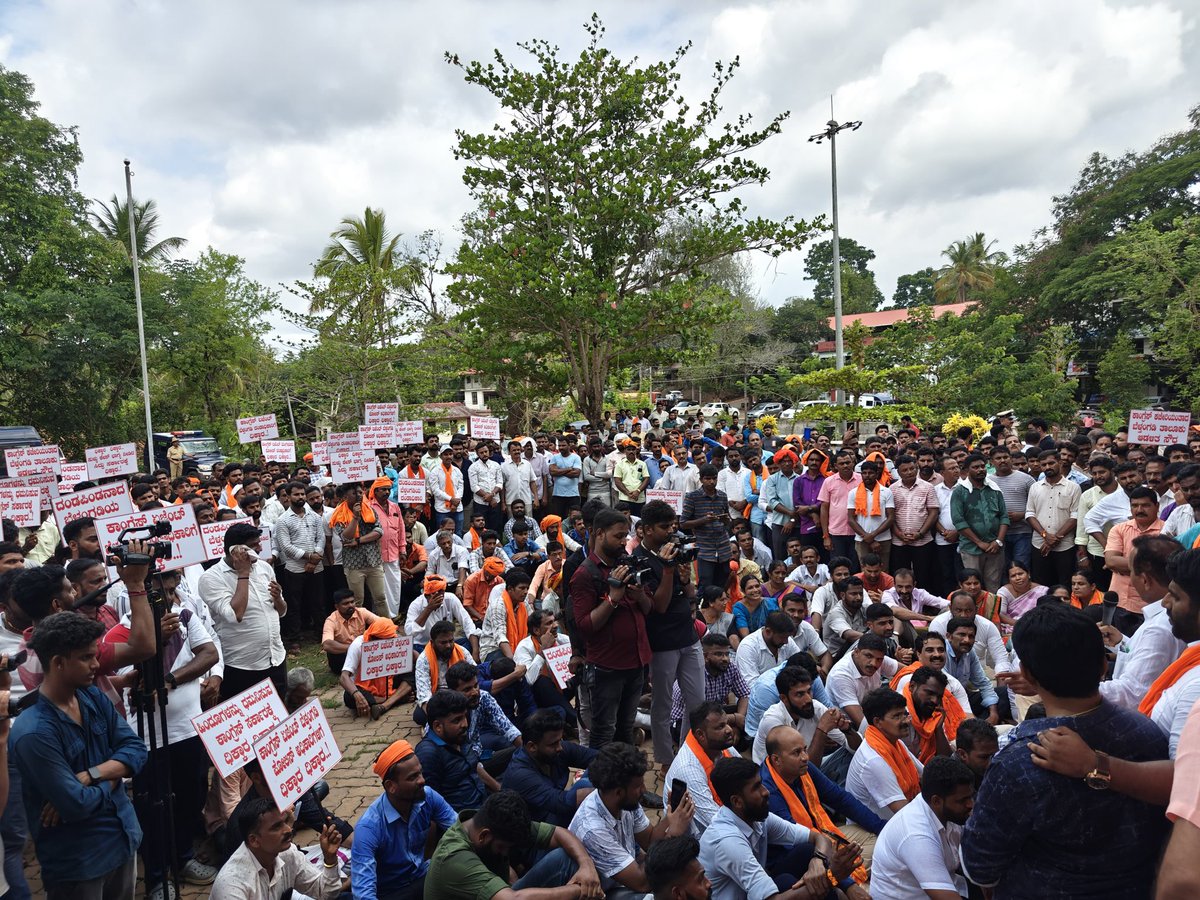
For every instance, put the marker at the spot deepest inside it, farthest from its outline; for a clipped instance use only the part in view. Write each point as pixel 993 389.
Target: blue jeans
pixel 1018 547
pixel 553 870
pixel 14 830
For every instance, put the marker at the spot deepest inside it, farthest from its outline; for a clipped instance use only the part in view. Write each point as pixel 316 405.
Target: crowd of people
pixel 893 665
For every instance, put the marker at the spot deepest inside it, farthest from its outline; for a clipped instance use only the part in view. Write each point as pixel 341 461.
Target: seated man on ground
pixel 767 647
pixel 435 660
pixel 374 697
pixel 709 737
pixel 976 744
pixel 722 680
pixel 505 681
pixel 859 672
pixel 309 810
pixel 931 652
pixel 490 733
pixel 612 826
pixel 673 870
pixel 826 731
pixel 935 714
pixel 884 774
pixel 449 765
pixel 544 635
pixel 541 770
pixel 342 626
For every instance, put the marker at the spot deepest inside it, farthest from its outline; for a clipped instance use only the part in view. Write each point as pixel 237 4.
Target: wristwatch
pixel 1099 778
pixel 169 678
pixel 94 774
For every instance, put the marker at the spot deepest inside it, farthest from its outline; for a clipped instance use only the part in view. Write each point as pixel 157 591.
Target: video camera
pixel 685 548
pixel 155 549
pixel 639 568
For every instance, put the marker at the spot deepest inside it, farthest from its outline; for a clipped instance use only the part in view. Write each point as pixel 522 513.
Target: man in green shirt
pixel 472 859
pixel 981 520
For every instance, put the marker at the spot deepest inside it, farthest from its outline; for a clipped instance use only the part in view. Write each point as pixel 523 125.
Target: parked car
pixel 765 408
pixel 671 397
pixel 716 410
pixel 805 410
pixel 686 408
pixel 13 437
pixel 199 448
pixel 870 401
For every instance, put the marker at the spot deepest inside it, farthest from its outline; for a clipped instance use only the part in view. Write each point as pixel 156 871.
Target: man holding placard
pixel 374 697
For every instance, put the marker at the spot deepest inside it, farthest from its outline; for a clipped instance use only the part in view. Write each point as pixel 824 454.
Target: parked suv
pixel 200 451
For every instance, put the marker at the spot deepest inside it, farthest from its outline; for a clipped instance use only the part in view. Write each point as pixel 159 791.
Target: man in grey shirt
pixel 300 540
pixel 1014 485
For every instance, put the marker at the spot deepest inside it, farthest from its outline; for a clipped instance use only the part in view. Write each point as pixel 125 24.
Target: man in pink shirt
pixel 835 517
pixel 912 530
pixel 1179 872
pixel 393 546
pixel 1143 504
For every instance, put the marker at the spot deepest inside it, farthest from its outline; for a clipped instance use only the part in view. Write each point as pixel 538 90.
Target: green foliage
pixel 1122 374
pixel 602 198
pixel 915 289
pixel 112 221
pixel 802 322
pixel 860 293
pixel 970 268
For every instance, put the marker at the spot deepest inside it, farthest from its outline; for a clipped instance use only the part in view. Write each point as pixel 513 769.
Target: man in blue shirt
pixel 387 861
pixel 963 663
pixel 450 766
pixel 540 770
pixel 73 751
pixel 565 470
pixel 1034 833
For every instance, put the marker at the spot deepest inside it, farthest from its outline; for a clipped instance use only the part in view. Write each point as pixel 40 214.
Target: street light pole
pixel 831 131
pixel 137 297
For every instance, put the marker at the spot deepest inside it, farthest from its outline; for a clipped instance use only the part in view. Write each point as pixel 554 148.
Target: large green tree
pixel 915 289
pixel 970 268
pixel 111 219
pixel 602 197
pixel 860 293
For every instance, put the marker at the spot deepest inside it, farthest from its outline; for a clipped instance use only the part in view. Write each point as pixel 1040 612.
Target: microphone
pixel 1110 607
pixel 96 597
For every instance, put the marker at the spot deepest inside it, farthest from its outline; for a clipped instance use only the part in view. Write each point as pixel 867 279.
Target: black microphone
pixel 96 597
pixel 1110 607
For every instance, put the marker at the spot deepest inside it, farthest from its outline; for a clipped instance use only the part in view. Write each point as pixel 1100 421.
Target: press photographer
pixel 665 559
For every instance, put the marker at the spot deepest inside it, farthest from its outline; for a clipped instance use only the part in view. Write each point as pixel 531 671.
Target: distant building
pixel 879 322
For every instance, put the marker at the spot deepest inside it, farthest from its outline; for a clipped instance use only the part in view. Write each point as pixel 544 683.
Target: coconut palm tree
pixel 363 244
pixel 112 221
pixel 971 267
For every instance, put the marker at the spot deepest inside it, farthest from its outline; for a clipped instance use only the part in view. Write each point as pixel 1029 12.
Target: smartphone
pixel 678 788
pixel 15 660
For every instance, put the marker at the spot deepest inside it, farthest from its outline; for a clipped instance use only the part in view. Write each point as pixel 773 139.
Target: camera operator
pixel 671 624
pixel 610 614
pixel 706 515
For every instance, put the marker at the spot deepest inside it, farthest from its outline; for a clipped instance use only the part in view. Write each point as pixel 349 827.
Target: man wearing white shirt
pixel 445 484
pixel 729 480
pixel 434 605
pixel 449 561
pixel 530 653
pixel 945 537
pixel 989 645
pixel 916 855
pixel 1183 516
pixel 487 486
pixel 683 476
pixel 858 673
pixel 872 780
pixel 824 730
pixel 768 647
pixel 910 603
pixel 519 481
pixel 931 652
pixel 246 602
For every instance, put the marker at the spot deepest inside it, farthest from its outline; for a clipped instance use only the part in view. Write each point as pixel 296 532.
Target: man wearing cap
pixel 478 587
pixel 392 546
pixel 375 696
pixel 435 605
pixel 387 861
pixel 445 483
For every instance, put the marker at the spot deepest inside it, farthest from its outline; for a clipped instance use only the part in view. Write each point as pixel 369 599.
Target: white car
pixel 686 408
pixel 806 409
pixel 715 410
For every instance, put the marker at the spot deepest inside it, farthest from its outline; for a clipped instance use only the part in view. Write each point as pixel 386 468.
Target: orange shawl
pixel 381 629
pixel 755 478
pixel 885 477
pixel 1188 660
pixel 1097 597
pixel 705 763
pixel 449 470
pixel 896 755
pixel 230 497
pixel 819 819
pixel 343 515
pixel 476 540
pixel 824 470
pixel 860 500
pixel 988 606
pixel 456 655
pixel 927 730
pixel 517 626
pixel 911 667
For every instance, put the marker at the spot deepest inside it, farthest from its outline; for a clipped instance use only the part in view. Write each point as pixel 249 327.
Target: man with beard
pixel 81 539
pixel 844 623
pixel 541 770
pixel 989 645
pixel 884 774
pixel 709 738
pixel 935 715
pixel 976 744
pixel 388 858
pixel 917 853
pixel 449 766
pixel 823 729
pixel 824 598
pixel 1089 549
pixel 722 679
pixel 931 652
pixel 735 850
pixel 299 535
pixel 611 825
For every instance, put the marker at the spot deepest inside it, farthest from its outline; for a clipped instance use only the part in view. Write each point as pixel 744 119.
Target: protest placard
pixel 21 504
pixel 279 451
pixel 297 753
pixel 22 461
pixel 320 452
pixel 213 535
pixel 229 730
pixel 109 462
pixel 381 436
pixel 1158 427
pixel 674 499
pixel 343 442
pixel 381 413
pixel 485 427
pixel 104 500
pixel 559 660
pixel 253 429
pixel 353 465
pixel 46 483
pixel 266 550
pixel 187 546
pixel 410 433
pixel 71 475
pixel 410 490
pixel 391 656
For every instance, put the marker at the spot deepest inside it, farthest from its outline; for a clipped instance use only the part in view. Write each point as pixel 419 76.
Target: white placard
pixel 1158 427
pixel 279 451
pixel 229 730
pixel 253 429
pixel 45 482
pixel 22 461
pixel 485 427
pixel 21 504
pixel 672 498
pixel 266 551
pixel 354 465
pixel 105 500
pixel 343 442
pixel 381 413
pixel 410 490
pixel 391 656
pixel 109 462
pixel 297 753
pixel 186 543
pixel 320 452
pixel 410 433
pixel 381 436
pixel 559 658
pixel 213 535
pixel 71 475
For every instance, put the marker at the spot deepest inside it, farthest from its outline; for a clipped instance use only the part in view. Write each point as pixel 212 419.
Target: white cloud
pixel 258 126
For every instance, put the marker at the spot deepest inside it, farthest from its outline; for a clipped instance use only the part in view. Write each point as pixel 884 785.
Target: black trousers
pixel 305 596
pixel 186 764
pixel 947 567
pixel 921 560
pixel 615 696
pixel 1054 568
pixel 238 680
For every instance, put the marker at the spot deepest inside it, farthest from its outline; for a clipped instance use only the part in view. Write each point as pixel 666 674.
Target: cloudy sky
pixel 258 125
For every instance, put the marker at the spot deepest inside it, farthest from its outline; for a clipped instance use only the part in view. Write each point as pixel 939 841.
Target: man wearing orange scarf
pixel 445 484
pixel 439 655
pixel 355 524
pixel 477 589
pixel 505 624
pixel 870 511
pixel 884 775
pixel 233 485
pixel 710 737
pixel 376 696
pixel 935 713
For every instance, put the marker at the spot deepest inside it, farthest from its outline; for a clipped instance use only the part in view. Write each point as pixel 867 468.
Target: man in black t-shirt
pixel 583 688
pixel 676 656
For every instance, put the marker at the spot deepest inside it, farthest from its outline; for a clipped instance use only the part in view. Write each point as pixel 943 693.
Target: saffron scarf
pixel 860 500
pixel 810 813
pixel 381 629
pixel 1188 660
pixel 343 515
pixel 910 668
pixel 705 763
pixel 899 760
pixel 517 626
pixel 885 477
pixel 755 478
pixel 475 539
pixel 230 497
pixel 456 655
pixel 1097 597
pixel 927 730
pixel 988 606
pixel 545 673
pixel 449 470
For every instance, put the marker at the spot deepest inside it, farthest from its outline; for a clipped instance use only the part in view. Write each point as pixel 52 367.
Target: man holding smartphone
pixel 706 516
